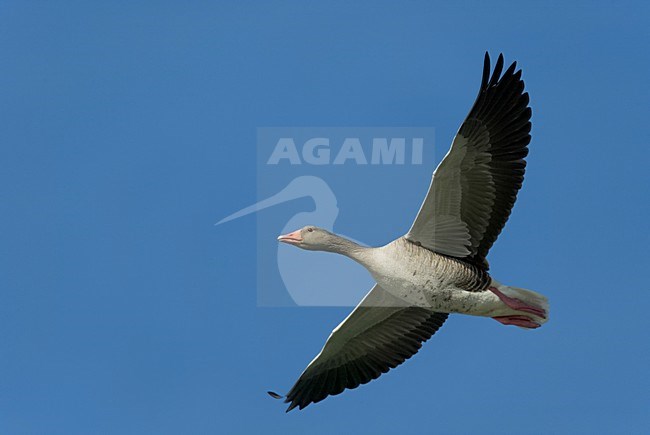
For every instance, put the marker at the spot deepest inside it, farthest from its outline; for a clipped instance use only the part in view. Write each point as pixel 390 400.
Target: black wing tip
pixel 491 78
pixel 293 405
pixel 511 70
pixel 275 395
pixel 498 68
pixel 486 71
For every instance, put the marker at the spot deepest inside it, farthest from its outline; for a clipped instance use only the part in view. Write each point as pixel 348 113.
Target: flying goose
pixel 439 266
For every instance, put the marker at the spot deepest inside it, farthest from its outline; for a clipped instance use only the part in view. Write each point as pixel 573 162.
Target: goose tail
pixel 531 304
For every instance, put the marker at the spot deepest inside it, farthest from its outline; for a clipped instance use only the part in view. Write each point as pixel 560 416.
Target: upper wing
pixel 476 184
pixel 381 333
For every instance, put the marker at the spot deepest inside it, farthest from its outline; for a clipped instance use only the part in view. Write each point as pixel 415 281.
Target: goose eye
pixel 310 229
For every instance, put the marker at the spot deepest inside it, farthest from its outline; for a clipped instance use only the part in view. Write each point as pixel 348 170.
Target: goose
pixel 439 267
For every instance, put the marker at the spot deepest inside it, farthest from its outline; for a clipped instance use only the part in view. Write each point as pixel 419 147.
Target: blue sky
pixel 129 130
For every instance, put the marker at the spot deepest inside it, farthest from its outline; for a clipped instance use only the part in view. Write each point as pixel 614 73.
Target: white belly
pixel 418 284
pixel 435 295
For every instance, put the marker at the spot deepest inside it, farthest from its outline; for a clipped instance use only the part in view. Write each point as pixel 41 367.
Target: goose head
pixel 312 238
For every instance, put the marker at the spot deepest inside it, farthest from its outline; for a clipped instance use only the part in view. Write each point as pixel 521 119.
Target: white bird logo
pixel 306 276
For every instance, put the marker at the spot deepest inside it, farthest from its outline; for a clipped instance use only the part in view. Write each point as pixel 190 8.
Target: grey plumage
pixel 475 186
pixel 439 266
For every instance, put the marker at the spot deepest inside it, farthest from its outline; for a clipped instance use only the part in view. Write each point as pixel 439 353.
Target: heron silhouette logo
pixel 304 176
